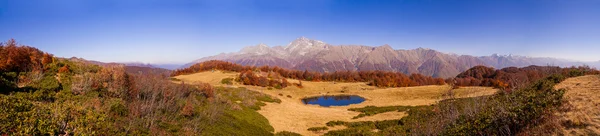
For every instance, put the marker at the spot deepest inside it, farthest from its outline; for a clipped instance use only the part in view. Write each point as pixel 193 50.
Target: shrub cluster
pixel 363 127
pixel 317 129
pixel 508 113
pixel 287 133
pixel 227 81
pixel 250 78
pixel 372 110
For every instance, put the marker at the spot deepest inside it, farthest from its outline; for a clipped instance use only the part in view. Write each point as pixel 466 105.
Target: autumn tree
pixel 19 58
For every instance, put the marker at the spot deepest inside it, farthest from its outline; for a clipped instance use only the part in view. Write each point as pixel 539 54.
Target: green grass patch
pixel 335 123
pixel 244 121
pixel 227 81
pixel 373 110
pixel 237 123
pixel 317 129
pixel 241 94
pixel 287 133
pixel 174 79
pixel 267 98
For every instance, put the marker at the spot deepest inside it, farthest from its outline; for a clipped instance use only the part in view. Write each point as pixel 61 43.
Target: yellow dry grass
pixel 294 116
pixel 582 116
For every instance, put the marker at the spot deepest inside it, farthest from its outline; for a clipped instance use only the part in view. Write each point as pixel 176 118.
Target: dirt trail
pixel 583 108
pixel 292 115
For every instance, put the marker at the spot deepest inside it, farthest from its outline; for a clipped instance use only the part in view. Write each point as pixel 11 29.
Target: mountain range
pixel 314 55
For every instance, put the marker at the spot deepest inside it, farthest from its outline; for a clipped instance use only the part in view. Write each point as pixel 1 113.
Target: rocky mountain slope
pixel 314 55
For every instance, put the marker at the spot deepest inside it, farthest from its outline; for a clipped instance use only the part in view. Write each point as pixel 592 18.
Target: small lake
pixel 333 100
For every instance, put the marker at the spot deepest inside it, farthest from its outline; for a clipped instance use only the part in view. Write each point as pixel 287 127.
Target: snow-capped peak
pixel 303 45
pixel 302 38
pixel 262 45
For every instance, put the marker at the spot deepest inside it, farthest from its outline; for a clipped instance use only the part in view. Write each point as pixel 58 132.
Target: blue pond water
pixel 333 100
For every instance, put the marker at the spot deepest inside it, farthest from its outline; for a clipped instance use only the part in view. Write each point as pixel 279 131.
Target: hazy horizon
pixel 178 32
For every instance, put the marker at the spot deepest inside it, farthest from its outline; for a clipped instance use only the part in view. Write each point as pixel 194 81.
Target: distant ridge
pixel 313 55
pixel 134 68
pixel 137 64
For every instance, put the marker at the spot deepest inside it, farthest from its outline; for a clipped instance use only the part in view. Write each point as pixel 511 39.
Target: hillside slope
pixel 294 116
pixel 581 115
pixel 44 95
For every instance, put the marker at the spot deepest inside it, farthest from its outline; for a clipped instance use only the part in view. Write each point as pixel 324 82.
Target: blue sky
pixel 179 31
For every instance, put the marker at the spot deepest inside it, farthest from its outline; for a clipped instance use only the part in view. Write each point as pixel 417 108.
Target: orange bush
pixel 64 69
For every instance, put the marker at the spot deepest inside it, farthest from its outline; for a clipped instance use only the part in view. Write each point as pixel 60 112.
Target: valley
pixel 294 116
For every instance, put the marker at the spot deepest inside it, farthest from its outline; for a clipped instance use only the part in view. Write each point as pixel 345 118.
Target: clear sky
pixel 179 31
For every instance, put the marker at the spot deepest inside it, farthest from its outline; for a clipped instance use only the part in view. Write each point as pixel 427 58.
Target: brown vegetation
pixel 250 78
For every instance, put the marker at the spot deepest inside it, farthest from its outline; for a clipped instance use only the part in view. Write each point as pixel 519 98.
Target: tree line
pixel 512 77
pixel 374 78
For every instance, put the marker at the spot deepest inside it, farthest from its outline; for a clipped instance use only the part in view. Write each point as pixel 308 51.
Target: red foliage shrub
pixel 250 78
pixel 206 89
